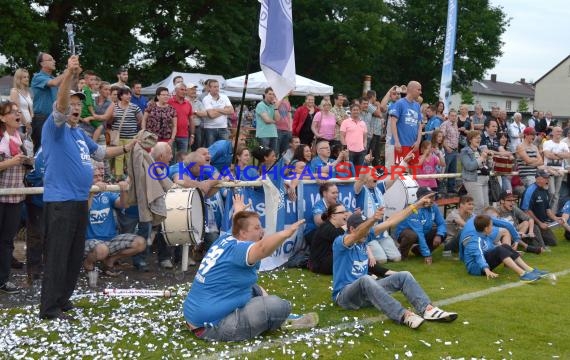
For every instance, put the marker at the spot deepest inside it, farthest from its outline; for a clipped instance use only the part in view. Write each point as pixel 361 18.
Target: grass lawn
pixel 520 322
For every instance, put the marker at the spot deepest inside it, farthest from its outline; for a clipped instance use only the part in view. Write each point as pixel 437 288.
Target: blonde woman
pixel 21 95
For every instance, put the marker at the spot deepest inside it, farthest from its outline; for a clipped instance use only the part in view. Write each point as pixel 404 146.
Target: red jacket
pixel 299 118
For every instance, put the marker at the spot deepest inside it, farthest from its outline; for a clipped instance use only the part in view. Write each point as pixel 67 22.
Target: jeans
pixel 9 224
pixel 554 186
pixel 374 147
pixel 65 225
pixel 283 137
pixel 356 158
pixel 271 143
pixel 198 137
pixel 180 144
pixel 451 168
pixel 213 135
pixel 366 292
pixel 128 225
pixel 260 314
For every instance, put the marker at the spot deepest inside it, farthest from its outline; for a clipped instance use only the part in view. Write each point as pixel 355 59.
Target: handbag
pixel 115 135
pixel 494 189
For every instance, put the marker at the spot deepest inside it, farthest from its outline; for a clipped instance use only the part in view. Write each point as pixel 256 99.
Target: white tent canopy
pixel 196 79
pixel 257 83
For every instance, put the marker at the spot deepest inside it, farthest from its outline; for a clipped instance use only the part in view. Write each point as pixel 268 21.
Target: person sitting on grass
pixel 455 222
pixel 103 243
pixel 228 276
pixel 510 212
pixel 424 230
pixel 353 288
pixel 480 254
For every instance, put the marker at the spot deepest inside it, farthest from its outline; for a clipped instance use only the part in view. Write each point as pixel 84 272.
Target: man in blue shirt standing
pixel 44 88
pixel 228 276
pixel 68 177
pixel 405 123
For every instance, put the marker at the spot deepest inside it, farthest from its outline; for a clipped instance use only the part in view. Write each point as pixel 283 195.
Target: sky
pixel 537 39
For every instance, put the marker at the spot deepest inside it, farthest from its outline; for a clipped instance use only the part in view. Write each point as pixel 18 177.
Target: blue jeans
pixel 269 142
pixel 356 158
pixel 366 292
pixel 451 167
pixel 213 135
pixel 284 137
pixel 260 314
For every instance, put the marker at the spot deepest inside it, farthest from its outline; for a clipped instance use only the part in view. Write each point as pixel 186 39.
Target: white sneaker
pixel 296 322
pixel 413 321
pixel 166 264
pixel 436 314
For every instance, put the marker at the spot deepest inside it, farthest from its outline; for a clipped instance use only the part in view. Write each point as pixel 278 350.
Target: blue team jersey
pixel 67 155
pixel 349 264
pixel 102 225
pixel 221 153
pixel 222 284
pixel 409 119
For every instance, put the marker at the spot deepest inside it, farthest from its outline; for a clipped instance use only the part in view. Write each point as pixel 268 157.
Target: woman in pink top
pixel 324 123
pixel 428 163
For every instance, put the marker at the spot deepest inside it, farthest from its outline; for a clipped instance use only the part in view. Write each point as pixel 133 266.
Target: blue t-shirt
pixel 433 123
pixel 67 155
pixel 319 208
pixel 102 225
pixel 409 119
pixel 221 153
pixel 317 166
pixel 141 102
pixel 44 95
pixel 222 284
pixel 349 264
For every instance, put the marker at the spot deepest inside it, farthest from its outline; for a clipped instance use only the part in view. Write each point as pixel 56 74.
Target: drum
pixel 401 194
pixel 503 165
pixel 184 223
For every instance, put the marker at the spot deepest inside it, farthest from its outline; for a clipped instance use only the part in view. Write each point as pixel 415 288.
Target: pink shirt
pixel 326 125
pixel 429 167
pixel 355 132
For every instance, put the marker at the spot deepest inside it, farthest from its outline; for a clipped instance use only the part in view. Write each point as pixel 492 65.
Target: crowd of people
pixel 69 132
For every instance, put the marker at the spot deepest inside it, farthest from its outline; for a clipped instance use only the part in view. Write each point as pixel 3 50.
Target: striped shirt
pixel 130 126
pixel 450 134
pixel 12 177
pixel 523 167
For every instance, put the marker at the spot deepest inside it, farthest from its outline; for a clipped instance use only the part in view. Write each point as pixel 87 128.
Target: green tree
pixel 523 105
pixel 467 97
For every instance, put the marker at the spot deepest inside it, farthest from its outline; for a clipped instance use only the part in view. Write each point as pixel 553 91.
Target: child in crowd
pixel 428 162
pixel 439 151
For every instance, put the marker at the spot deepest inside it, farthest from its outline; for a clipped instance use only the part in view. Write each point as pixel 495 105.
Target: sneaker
pixel 142 266
pixel 413 321
pixel 529 276
pixel 296 322
pixel 9 288
pixel 437 314
pixel 166 264
pixel 541 273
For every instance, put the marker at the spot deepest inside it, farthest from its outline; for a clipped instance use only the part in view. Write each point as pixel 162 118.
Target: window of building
pixel 508 105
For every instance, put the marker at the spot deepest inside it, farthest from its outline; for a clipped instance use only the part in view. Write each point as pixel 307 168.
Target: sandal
pixel 109 271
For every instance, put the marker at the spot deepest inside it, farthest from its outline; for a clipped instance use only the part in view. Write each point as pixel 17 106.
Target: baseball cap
pixel 191 85
pixel 423 191
pixel 354 220
pixel 78 94
pixel 529 131
pixel 542 173
pixel 507 194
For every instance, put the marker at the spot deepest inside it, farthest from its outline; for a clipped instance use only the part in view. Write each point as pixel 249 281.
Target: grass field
pixel 513 322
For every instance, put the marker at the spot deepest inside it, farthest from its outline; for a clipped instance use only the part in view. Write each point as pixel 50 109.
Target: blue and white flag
pixel 277 52
pixel 448 55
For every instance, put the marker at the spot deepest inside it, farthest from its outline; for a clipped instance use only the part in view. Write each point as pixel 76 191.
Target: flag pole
pixel 247 71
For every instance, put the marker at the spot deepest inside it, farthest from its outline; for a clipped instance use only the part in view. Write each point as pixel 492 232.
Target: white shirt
pixel 221 122
pixel 555 148
pixel 515 130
